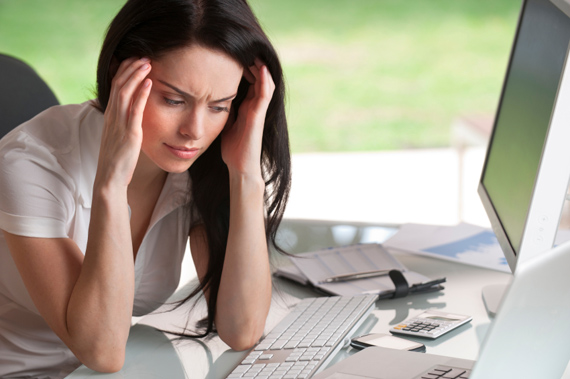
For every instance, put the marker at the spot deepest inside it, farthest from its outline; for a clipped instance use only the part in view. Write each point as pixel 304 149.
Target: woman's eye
pixel 219 109
pixel 173 102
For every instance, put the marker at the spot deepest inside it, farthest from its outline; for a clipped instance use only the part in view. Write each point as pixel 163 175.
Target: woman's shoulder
pixel 63 141
pixel 48 165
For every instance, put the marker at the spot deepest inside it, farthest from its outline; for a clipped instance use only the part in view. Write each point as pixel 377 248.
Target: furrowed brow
pixel 225 99
pixel 175 89
pixel 185 94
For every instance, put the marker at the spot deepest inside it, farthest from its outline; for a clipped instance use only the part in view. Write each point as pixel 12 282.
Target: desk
pixel 152 354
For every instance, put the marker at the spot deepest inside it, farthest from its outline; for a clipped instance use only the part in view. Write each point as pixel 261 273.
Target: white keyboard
pixel 307 338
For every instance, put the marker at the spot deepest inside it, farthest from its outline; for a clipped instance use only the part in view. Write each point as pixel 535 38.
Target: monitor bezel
pixel 551 183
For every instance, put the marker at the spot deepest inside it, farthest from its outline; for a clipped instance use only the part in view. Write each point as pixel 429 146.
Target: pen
pixel 354 276
pixel 425 285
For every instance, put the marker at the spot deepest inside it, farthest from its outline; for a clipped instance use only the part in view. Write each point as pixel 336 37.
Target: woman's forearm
pixel 101 303
pixel 100 307
pixel 245 290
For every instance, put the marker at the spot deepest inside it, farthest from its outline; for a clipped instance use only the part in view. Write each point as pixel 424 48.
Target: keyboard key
pixel 291 344
pixel 241 369
pixel 257 368
pixel 454 373
pixel 263 346
pixel 278 345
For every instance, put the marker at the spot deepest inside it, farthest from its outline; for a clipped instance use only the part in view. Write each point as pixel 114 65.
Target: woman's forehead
pixel 198 69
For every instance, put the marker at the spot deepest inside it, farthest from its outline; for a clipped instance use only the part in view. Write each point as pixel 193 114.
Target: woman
pixel 187 138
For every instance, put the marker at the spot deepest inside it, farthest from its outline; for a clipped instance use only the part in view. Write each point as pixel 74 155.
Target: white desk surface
pixel 153 354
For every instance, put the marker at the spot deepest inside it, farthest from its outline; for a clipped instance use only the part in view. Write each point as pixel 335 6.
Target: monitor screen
pixel 523 119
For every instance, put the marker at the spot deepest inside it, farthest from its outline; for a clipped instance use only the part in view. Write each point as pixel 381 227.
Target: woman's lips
pixel 183 152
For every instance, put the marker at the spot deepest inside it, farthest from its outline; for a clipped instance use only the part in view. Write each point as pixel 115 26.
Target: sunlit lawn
pixel 361 74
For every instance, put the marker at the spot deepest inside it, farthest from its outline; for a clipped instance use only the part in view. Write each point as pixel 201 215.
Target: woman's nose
pixel 193 126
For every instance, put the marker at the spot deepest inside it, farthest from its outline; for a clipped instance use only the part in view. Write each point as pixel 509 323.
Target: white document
pixel 322 264
pixel 463 243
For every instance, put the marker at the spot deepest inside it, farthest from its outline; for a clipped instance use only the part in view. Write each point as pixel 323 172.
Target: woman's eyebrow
pixel 185 94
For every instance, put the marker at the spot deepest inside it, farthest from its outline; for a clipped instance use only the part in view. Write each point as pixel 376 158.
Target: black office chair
pixel 23 94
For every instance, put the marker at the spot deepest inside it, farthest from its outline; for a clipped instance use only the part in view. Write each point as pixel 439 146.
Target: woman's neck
pixel 147 176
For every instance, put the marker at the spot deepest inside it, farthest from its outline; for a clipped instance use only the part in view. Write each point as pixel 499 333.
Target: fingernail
pixel 145 59
pixel 145 66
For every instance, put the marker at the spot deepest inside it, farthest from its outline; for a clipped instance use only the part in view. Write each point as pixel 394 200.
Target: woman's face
pixel 188 106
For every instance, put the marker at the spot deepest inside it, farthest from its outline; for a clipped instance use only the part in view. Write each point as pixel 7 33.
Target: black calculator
pixel 430 324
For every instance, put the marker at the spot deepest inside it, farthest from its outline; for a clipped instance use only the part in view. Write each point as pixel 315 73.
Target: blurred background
pixel 382 94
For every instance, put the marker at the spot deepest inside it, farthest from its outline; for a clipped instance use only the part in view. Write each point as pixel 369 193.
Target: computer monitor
pixel 527 168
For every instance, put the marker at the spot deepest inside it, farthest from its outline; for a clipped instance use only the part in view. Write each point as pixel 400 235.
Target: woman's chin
pixel 176 169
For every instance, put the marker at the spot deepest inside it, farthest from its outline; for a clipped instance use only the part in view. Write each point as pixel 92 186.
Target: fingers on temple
pixel 253 72
pixel 139 103
pixel 268 85
pixel 264 85
pixel 124 71
pixel 129 77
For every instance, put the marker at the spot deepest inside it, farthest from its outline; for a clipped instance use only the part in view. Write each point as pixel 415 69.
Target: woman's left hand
pixel 241 139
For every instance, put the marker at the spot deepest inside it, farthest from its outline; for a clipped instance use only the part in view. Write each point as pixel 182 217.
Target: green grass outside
pixel 361 74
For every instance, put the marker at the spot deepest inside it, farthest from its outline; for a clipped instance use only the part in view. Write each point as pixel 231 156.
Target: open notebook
pixel 313 267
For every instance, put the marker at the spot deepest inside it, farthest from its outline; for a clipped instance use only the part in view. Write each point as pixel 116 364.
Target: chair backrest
pixel 23 94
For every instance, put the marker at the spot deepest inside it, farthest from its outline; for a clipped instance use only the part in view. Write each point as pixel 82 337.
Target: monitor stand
pixel 492 296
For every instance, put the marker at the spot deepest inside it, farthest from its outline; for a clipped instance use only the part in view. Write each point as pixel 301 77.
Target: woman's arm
pixel 244 296
pixel 88 301
pixel 245 290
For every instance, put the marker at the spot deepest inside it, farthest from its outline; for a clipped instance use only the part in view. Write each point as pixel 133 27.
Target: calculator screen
pixel 439 318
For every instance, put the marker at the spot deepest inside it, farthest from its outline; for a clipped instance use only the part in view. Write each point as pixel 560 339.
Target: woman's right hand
pixel 122 132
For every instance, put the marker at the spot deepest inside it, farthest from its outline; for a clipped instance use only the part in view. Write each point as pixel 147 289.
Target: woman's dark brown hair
pixel 152 28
